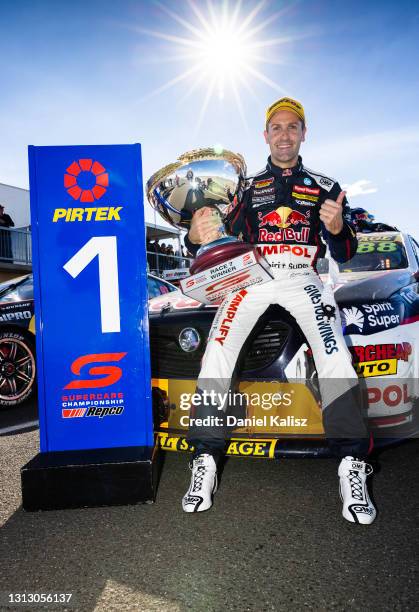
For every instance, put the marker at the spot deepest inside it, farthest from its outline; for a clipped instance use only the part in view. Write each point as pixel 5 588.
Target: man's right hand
pixel 205 226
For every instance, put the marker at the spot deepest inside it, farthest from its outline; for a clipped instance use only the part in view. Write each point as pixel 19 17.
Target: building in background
pixel 165 249
pixel 15 242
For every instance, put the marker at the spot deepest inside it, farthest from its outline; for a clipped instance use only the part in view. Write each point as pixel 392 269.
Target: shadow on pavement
pixel 274 540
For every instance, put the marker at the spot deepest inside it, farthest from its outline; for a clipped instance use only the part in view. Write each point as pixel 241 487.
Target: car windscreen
pixel 17 291
pixel 157 287
pixel 377 252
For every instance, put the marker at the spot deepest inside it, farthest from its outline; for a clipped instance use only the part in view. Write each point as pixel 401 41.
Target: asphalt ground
pixel 274 540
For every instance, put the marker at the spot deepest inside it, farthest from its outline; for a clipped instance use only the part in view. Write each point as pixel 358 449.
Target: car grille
pixel 265 347
pixel 169 361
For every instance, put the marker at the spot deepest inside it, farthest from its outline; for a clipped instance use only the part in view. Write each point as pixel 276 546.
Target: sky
pixel 177 75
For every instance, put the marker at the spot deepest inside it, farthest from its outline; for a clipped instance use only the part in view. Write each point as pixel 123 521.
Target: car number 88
pixel 380 247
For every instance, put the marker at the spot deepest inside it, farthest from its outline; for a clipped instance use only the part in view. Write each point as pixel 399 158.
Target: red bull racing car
pixel 377 296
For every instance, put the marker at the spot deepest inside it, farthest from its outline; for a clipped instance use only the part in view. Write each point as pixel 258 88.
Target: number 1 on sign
pixel 105 248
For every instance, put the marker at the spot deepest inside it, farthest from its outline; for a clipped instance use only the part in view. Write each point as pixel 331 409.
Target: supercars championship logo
pixel 94 404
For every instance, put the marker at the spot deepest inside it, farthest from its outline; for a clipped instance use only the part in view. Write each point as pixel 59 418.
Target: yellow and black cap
pixel 288 104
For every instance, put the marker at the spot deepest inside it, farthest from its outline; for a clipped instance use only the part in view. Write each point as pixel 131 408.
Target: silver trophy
pixel 209 177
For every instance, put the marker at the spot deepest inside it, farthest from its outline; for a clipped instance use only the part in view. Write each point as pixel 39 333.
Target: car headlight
pixel 189 339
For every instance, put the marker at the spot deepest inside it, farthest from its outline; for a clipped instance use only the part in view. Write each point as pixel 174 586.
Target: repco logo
pixel 110 374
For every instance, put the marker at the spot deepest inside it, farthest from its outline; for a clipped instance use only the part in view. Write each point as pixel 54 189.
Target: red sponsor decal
pixel 91 396
pixel 225 283
pixel 296 217
pixel 230 313
pixel 73 413
pixel 271 218
pixel 374 352
pixel 309 190
pixel 284 234
pixel 287 172
pixel 110 373
pixel 283 217
pixel 176 303
pixel 279 249
pixel 392 395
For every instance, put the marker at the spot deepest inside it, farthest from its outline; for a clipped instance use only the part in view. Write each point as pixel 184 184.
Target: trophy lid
pixel 202 177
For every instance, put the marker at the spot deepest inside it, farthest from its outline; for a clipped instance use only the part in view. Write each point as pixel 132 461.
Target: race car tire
pixel 17 368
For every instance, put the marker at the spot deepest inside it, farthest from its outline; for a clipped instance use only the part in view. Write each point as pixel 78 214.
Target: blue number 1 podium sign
pixel 90 276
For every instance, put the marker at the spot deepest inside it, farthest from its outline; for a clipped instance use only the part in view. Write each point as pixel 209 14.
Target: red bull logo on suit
pixel 283 217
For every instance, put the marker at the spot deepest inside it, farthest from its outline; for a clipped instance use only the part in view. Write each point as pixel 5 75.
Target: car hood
pixel 175 300
pixel 351 287
pixel 354 287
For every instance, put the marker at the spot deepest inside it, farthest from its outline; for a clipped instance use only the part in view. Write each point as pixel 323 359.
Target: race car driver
pixel 290 212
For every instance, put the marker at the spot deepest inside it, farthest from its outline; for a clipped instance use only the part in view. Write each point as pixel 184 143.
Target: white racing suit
pixel 301 295
pixel 279 213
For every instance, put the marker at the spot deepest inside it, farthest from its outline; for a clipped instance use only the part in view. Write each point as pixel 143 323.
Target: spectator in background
pixel 5 238
pixel 153 246
pixel 170 257
pixel 149 249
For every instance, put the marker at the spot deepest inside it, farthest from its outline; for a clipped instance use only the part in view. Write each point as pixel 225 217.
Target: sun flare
pixel 223 49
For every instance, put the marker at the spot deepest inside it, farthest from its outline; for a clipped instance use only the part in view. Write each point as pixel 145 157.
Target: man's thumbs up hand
pixel 331 214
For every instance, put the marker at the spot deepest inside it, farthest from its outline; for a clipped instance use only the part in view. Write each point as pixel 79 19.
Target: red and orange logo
pixel 110 374
pixel 86 180
pixel 283 217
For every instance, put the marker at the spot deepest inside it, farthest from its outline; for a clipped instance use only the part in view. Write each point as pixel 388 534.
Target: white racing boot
pixel 357 505
pixel 203 484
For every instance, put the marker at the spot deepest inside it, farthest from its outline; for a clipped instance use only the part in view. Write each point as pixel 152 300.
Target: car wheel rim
pixel 17 369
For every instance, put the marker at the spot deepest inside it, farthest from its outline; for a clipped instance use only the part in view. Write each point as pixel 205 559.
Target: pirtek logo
pixel 283 217
pixel 86 180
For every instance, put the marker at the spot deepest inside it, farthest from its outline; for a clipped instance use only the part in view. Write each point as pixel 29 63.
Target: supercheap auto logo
pixel 379 359
pixel 245 448
pixel 86 180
